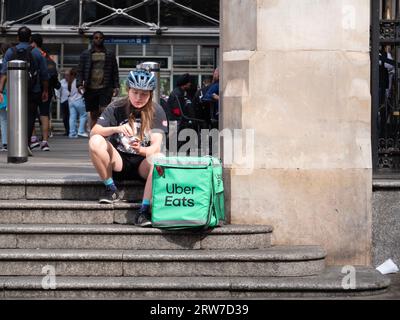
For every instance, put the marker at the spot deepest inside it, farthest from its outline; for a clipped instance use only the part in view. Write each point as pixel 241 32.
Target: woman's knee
pixel 97 143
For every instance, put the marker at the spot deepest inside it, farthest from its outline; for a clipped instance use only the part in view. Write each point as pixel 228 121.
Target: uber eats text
pixel 179 196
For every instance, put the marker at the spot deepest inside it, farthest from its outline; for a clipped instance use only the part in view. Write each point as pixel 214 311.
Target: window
pixel 158 50
pixel 165 84
pixel 208 55
pixel 185 57
pixel 130 50
pixel 111 47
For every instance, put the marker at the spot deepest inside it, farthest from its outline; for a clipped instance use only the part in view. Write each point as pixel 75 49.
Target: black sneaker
pixel 45 146
pixel 143 219
pixel 34 145
pixel 110 196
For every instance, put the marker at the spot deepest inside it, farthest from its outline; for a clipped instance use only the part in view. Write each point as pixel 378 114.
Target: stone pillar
pixel 298 73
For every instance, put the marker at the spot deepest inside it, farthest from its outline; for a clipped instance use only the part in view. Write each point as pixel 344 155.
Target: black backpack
pixel 51 66
pixel 25 54
pixel 53 73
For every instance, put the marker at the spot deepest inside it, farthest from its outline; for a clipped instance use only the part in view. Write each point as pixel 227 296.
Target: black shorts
pixel 44 108
pixel 130 167
pixel 96 99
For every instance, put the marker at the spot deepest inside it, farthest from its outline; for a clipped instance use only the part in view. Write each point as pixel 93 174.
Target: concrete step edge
pixel 126 229
pixel 63 204
pixel 330 280
pixel 281 254
pixel 84 181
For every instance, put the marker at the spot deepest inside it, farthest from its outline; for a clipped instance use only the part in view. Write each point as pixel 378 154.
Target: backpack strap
pixel 15 53
pixel 29 50
pixel 31 60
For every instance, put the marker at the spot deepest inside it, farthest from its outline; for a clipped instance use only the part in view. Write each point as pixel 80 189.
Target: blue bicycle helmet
pixel 141 80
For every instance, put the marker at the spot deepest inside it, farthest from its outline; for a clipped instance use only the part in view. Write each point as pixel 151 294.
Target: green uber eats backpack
pixel 188 193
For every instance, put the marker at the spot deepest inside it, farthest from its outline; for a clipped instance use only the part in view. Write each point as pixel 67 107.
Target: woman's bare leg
pixel 104 157
pixel 146 172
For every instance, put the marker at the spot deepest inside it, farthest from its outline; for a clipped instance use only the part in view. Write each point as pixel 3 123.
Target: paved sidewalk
pixel 67 159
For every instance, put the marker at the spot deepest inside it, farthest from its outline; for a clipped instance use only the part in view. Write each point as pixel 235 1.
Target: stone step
pixel 66 212
pixel 273 262
pixel 328 285
pixel 25 236
pixel 64 189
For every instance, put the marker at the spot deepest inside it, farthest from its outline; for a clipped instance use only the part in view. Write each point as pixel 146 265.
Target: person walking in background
pixel 3 123
pixel 63 95
pixel 76 108
pixel 3 106
pixel 200 107
pixel 44 106
pixel 98 77
pixel 177 100
pixel 212 96
pixel 38 85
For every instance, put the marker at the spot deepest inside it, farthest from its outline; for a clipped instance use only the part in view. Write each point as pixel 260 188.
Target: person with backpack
pixel 98 77
pixel 38 76
pixel 3 106
pixel 44 106
pixel 127 132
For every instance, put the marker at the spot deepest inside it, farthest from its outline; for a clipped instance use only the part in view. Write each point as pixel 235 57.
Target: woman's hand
pixel 137 147
pixel 81 90
pixel 126 130
pixel 215 96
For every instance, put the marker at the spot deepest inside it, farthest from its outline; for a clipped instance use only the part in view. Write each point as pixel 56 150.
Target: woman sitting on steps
pixel 128 131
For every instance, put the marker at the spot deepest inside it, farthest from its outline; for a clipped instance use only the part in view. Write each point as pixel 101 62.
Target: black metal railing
pixel 386 84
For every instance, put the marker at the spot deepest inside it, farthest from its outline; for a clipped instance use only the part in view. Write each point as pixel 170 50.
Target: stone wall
pixel 298 73
pixel 386 222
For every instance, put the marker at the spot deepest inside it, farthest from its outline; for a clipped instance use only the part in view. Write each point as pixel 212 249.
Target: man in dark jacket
pixel 177 100
pixel 98 77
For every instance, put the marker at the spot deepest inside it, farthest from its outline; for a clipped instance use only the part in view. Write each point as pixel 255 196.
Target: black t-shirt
pixel 117 114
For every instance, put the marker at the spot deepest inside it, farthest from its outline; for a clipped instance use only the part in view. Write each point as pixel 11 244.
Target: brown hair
pixel 73 72
pixel 147 115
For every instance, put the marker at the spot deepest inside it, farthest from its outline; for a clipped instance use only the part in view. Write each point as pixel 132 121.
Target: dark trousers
pixel 34 100
pixel 65 115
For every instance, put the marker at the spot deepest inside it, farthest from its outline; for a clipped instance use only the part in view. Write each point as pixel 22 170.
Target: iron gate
pixel 386 84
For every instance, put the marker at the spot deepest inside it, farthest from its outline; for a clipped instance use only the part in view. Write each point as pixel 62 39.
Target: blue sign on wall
pixel 131 40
